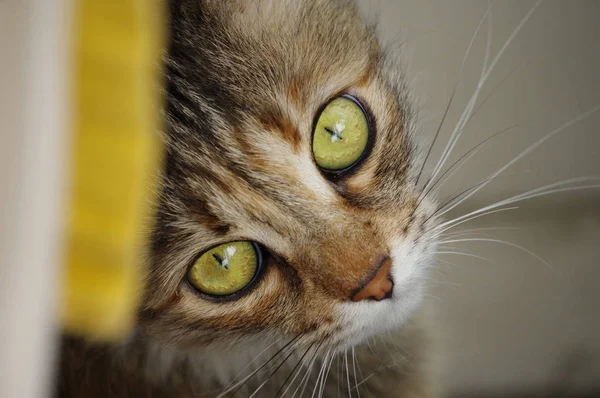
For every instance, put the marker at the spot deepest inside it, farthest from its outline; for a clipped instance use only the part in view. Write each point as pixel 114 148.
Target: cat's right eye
pixel 226 269
pixel 341 135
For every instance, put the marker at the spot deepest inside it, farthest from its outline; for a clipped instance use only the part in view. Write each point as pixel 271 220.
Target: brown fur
pixel 245 80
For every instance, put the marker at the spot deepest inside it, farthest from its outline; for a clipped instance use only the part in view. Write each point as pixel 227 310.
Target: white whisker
pixel 347 373
pixel 465 117
pixel 541 191
pixel 306 377
pixel 297 373
pixel 354 367
pixel 473 230
pixel 457 221
pixel 321 373
pixel 461 161
pixel 467 255
pixel 464 61
pixel 324 380
pixel 502 242
pixel 252 361
pixel 525 152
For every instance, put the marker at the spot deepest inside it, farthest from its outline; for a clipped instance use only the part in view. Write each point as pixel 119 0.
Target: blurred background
pixel 511 324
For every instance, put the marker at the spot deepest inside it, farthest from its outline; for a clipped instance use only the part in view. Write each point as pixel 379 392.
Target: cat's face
pixel 246 83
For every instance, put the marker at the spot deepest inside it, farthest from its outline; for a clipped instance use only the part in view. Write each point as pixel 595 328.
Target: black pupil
pixel 219 260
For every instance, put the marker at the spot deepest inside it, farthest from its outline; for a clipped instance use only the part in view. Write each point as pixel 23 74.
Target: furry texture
pixel 245 80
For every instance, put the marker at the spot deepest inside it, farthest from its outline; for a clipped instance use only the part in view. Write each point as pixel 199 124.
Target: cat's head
pixel 288 131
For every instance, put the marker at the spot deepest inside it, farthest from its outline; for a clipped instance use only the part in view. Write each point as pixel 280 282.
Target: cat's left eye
pixel 341 134
pixel 226 269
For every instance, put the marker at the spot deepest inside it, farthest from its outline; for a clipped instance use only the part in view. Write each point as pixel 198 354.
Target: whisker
pixel 292 351
pixel 297 367
pixel 321 373
pixel 347 373
pixel 324 380
pixel 361 376
pixel 241 383
pixel 527 151
pixel 370 376
pixel 470 105
pixel 511 38
pixel 467 255
pixel 338 375
pixel 458 222
pixel 463 120
pixel 502 242
pixel 473 230
pixel 354 368
pixel 465 57
pixel 492 92
pixel 455 198
pixel 306 376
pixel 545 190
pixel 466 156
pixel 252 361
pixel 541 191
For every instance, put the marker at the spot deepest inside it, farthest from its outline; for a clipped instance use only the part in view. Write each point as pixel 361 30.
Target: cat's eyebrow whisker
pixel 527 151
pixel 464 61
pixel 465 117
pixel 501 242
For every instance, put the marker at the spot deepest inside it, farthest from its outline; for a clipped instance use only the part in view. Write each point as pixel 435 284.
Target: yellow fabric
pixel 116 156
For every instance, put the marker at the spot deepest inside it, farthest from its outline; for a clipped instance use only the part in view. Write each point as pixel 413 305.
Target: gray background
pixel 511 324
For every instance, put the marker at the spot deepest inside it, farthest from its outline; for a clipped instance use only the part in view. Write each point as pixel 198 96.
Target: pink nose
pixel 379 286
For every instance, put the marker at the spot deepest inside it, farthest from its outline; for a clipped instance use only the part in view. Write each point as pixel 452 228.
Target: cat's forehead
pixel 244 53
pixel 246 82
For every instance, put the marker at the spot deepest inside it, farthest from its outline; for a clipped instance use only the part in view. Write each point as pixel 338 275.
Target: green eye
pixel 341 134
pixel 225 269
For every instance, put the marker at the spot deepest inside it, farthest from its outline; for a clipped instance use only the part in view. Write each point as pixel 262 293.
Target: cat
pixel 290 133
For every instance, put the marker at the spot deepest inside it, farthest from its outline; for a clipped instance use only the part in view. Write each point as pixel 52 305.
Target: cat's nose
pixel 379 285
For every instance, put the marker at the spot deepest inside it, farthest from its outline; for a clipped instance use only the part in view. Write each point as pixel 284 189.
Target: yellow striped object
pixel 116 155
